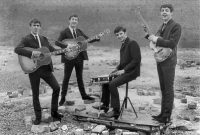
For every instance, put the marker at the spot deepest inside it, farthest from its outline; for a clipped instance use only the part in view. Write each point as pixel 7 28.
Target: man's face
pixel 166 14
pixel 35 28
pixel 73 22
pixel 121 35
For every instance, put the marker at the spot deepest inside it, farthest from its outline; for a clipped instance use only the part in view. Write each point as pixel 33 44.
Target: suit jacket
pixel 130 58
pixel 30 41
pixel 169 38
pixel 66 34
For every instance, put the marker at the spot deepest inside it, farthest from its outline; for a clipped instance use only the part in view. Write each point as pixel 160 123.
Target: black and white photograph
pixel 99 67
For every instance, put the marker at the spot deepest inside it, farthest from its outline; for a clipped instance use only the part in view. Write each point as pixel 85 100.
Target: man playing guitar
pixel 72 32
pixel 167 36
pixel 35 41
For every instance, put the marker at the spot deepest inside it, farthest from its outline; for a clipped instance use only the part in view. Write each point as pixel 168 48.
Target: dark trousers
pixel 110 90
pixel 49 78
pixel 166 74
pixel 68 67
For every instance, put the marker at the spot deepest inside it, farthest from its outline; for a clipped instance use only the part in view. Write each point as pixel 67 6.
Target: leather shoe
pixel 101 107
pixel 87 98
pixel 156 116
pixel 62 101
pixel 37 121
pixel 112 114
pixel 163 119
pixel 56 115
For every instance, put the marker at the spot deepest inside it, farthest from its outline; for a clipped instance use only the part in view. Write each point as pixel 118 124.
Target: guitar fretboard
pixel 57 52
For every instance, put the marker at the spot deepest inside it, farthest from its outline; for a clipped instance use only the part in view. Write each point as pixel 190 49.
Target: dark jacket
pixel 66 34
pixel 130 57
pixel 30 41
pixel 169 38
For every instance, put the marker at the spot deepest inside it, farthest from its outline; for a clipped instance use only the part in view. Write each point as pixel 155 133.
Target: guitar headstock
pixel 141 20
pixel 106 31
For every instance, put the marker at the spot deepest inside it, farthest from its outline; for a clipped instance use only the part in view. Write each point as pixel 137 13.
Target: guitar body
pixel 162 54
pixel 76 45
pixel 29 65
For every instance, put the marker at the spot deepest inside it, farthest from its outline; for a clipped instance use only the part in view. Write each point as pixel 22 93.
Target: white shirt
pixel 71 29
pixel 38 38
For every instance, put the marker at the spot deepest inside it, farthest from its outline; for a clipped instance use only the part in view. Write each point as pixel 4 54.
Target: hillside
pixel 95 16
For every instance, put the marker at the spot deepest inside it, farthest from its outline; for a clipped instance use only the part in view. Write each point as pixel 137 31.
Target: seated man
pixel 127 70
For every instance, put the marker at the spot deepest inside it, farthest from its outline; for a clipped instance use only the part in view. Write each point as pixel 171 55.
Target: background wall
pixel 95 16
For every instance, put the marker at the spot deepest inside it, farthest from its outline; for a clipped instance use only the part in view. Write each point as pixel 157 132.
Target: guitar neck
pixel 57 52
pixel 90 39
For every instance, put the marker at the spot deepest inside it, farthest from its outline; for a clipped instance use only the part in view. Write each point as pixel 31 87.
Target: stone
pixel 179 96
pixel 141 108
pixel 88 101
pixel 39 128
pixel 53 126
pixel 90 113
pixel 80 108
pixel 192 105
pixel 62 108
pixel 46 117
pixel 118 131
pixel 99 128
pixel 140 93
pixel 157 101
pixel 64 127
pixel 28 121
pixel 79 132
pixel 69 103
pixel 186 118
pixel 197 118
pixel 130 133
pixel 106 132
pixel 13 95
pixel 184 100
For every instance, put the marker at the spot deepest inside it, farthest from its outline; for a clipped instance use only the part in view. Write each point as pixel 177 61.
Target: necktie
pixel 163 27
pixel 74 33
pixel 38 39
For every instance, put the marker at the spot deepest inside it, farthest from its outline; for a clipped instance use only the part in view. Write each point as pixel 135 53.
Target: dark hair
pixel 33 21
pixel 167 6
pixel 119 28
pixel 74 15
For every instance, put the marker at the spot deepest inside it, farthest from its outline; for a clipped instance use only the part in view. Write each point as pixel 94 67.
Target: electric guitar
pixel 80 43
pixel 160 53
pixel 30 65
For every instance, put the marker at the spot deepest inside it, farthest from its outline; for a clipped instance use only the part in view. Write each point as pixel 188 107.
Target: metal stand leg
pixel 125 101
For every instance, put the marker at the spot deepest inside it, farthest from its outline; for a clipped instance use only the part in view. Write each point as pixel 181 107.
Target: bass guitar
pixel 80 43
pixel 160 53
pixel 30 65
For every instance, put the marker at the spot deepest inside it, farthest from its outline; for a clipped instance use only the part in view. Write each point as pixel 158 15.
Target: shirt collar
pixel 71 29
pixel 34 34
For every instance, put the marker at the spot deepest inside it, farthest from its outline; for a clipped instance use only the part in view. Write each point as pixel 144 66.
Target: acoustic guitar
pixel 80 43
pixel 160 53
pixel 30 65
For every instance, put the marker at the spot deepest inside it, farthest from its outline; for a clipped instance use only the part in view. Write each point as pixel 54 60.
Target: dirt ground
pixel 102 60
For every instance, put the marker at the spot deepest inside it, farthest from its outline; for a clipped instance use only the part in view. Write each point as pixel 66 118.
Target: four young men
pixel 127 70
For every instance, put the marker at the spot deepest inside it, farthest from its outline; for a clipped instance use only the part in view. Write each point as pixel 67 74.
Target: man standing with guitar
pixel 167 36
pixel 72 32
pixel 36 41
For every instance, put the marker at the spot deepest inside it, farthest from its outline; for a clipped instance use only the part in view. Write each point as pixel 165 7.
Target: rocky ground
pixel 16 110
